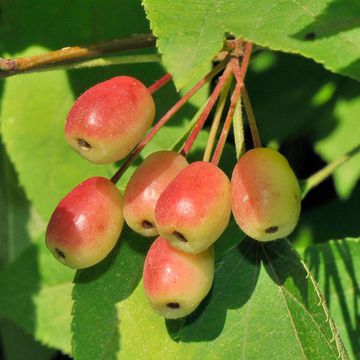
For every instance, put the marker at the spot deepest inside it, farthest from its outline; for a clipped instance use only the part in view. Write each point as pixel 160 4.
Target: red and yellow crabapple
pixel 109 119
pixel 194 209
pixel 265 195
pixel 86 224
pixel 145 186
pixel 175 282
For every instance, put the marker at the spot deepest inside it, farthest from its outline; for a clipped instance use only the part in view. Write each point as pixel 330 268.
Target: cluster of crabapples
pixel 187 206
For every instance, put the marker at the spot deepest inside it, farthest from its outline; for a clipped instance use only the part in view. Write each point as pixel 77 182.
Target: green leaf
pixel 36 294
pixel 19 224
pixel 81 23
pixel 34 106
pixel 343 138
pixel 337 219
pixel 97 290
pixel 33 135
pixel 335 267
pixel 262 306
pixel 190 34
pixel 12 336
pixel 290 93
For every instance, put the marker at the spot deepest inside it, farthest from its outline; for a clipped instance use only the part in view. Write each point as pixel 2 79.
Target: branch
pixel 98 62
pixel 75 57
pixel 325 172
pixel 70 54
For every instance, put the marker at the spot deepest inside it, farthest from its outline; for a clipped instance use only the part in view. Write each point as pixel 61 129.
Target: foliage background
pixel 311 114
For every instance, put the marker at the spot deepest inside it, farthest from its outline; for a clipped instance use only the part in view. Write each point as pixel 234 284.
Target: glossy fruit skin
pixel 194 209
pixel 86 224
pixel 145 186
pixel 265 195
pixel 109 119
pixel 175 282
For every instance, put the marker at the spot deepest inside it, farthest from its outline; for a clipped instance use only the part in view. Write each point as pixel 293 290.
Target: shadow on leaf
pixel 333 265
pixel 282 263
pixel 19 283
pixel 339 16
pixel 353 68
pixel 96 292
pixel 236 276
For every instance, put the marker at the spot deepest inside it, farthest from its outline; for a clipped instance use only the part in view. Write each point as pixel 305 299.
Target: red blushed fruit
pixel 194 209
pixel 86 224
pixel 145 186
pixel 265 195
pixel 175 282
pixel 109 119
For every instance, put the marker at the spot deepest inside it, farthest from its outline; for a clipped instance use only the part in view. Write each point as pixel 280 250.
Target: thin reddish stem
pixel 159 83
pixel 216 121
pixel 240 73
pixel 227 124
pixel 200 123
pixel 132 156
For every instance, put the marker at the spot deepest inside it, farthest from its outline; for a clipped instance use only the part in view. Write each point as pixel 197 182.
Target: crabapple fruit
pixel 175 282
pixel 86 224
pixel 194 209
pixel 265 195
pixel 145 186
pixel 109 119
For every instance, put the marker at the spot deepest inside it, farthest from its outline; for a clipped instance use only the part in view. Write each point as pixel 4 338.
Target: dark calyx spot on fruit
pixel 179 236
pixel 60 254
pixel 173 305
pixel 83 144
pixel 147 224
pixel 310 36
pixel 272 229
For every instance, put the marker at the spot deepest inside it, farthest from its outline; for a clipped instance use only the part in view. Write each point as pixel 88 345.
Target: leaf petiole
pixel 325 172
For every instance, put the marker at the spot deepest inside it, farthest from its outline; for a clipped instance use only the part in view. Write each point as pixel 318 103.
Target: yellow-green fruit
pixel 175 282
pixel 265 195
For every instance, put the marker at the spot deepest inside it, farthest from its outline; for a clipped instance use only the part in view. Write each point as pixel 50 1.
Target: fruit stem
pixel 132 156
pixel 238 130
pixel 251 118
pixel 159 83
pixel 216 121
pixel 326 171
pixel 68 54
pixel 210 104
pixel 227 124
pixel 179 142
pixel 240 73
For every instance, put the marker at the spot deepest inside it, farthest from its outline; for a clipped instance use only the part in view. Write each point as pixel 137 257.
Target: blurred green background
pixel 310 114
